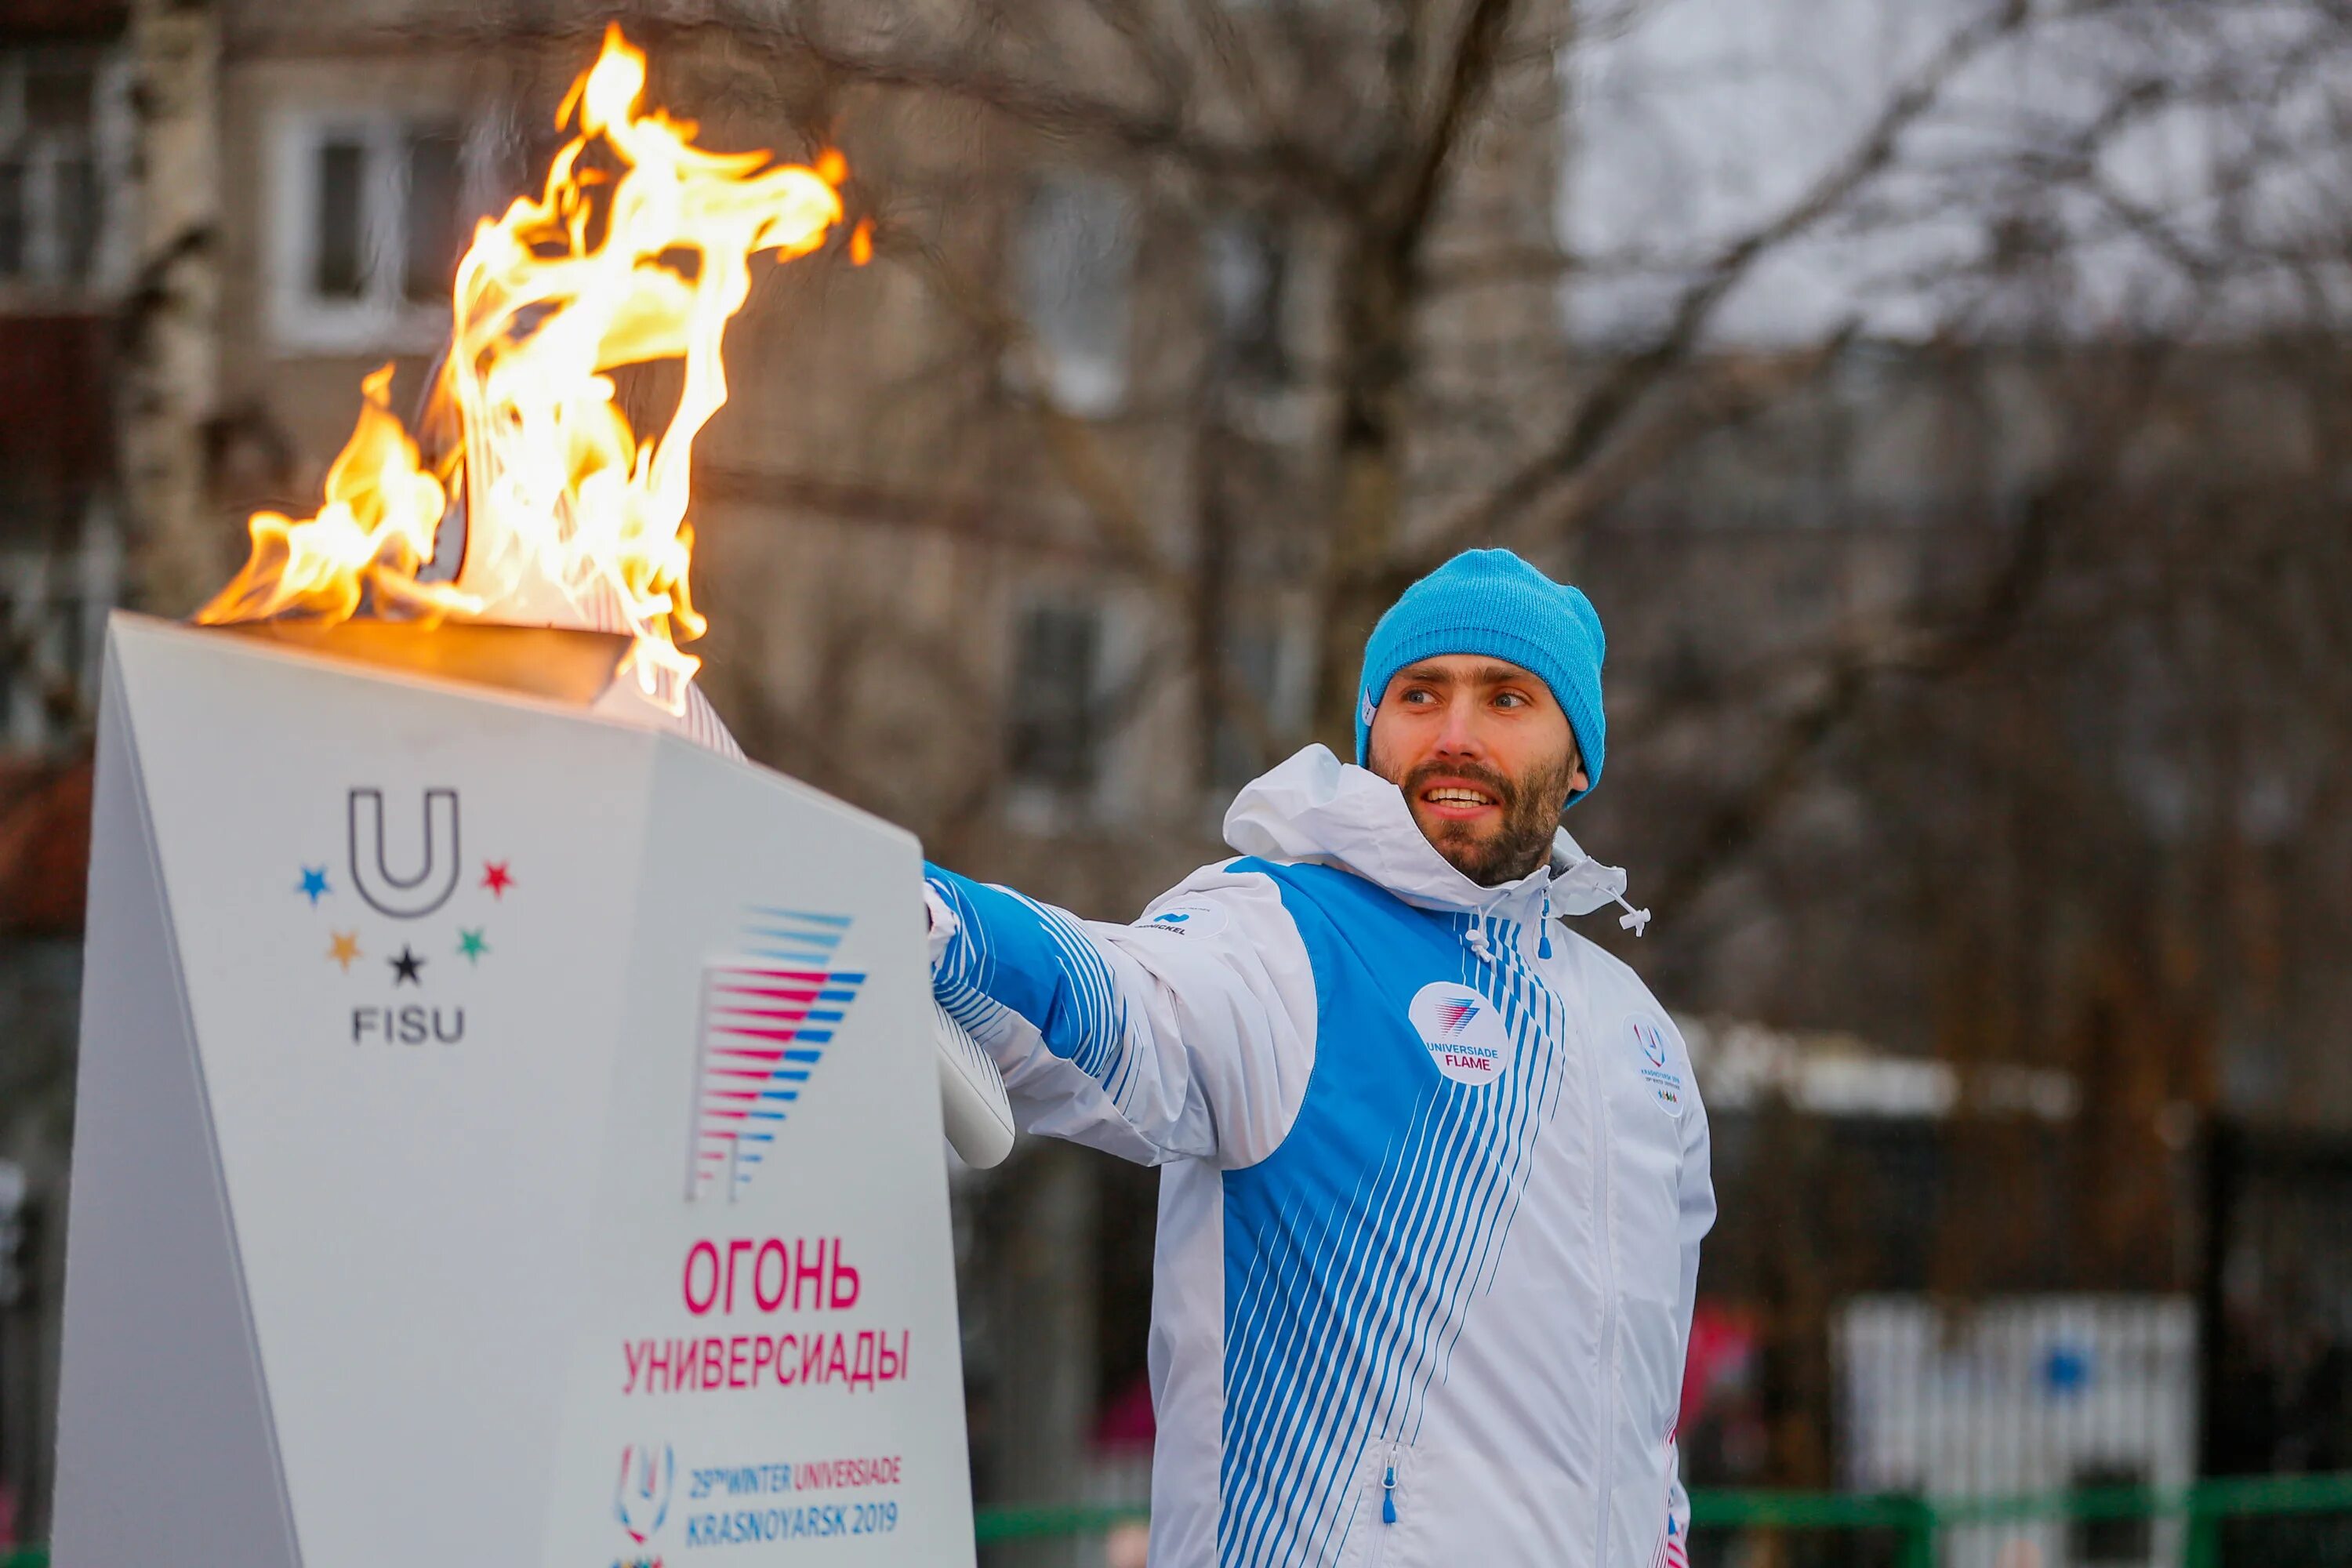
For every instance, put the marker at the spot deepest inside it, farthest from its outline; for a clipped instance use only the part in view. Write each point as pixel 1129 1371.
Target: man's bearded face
pixel 1486 760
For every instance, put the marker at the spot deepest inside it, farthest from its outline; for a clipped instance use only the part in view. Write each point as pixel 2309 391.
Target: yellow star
pixel 346 948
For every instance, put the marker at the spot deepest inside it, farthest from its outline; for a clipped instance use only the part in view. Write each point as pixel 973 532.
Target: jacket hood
pixel 1316 808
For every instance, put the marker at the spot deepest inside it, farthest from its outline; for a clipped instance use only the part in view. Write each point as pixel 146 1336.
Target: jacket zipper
pixel 1606 1234
pixel 1603 1195
pixel 1388 1510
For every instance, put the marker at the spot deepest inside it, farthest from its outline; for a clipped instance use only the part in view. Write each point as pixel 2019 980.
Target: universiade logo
pixel 641 1496
pixel 769 1014
pixel 1665 1084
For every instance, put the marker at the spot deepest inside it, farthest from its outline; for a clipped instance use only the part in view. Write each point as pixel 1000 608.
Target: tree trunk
pixel 1213 688
pixel 1374 319
pixel 169 327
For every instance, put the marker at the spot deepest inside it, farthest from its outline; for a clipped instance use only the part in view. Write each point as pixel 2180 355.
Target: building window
pixel 1248 273
pixel 1075 262
pixel 370 223
pixel 54 115
pixel 433 229
pixel 338 240
pixel 1058 652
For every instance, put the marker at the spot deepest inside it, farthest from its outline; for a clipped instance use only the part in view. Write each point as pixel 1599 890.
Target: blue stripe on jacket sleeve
pixel 1035 961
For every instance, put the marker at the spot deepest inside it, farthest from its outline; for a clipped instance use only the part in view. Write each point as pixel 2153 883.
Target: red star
pixel 496 878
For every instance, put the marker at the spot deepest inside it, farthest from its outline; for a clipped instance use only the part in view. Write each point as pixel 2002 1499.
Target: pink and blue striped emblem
pixel 770 1012
pixel 1453 1016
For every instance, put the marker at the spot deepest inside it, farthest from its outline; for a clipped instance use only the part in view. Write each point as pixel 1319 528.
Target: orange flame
pixel 571 518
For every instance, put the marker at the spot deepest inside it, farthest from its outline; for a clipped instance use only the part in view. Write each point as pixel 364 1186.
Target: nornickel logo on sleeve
pixel 1660 1068
pixel 1188 917
pixel 1465 1033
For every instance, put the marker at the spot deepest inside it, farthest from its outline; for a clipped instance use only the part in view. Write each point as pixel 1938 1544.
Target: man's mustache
pixel 1505 793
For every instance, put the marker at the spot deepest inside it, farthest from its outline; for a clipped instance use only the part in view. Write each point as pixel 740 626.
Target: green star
pixel 471 945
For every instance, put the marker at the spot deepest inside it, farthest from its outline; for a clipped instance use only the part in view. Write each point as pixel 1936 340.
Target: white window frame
pixel 108 148
pixel 382 319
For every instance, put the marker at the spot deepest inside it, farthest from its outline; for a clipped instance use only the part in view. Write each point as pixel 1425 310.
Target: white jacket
pixel 1435 1179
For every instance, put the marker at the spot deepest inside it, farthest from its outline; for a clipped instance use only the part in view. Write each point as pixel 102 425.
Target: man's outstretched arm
pixel 1191 1036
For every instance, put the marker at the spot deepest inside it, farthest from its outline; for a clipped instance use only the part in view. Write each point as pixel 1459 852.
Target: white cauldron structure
pixel 508 1132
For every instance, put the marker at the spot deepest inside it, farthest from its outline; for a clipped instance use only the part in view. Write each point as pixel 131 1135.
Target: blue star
pixel 314 882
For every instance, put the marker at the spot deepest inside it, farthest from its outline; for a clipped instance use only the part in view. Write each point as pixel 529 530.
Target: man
pixel 1435 1169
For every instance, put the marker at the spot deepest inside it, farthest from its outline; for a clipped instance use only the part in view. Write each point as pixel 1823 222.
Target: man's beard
pixel 1531 811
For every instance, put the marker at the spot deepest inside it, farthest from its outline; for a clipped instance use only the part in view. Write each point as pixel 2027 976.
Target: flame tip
pixel 571 515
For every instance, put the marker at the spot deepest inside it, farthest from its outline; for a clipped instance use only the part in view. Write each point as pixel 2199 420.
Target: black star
pixel 406 966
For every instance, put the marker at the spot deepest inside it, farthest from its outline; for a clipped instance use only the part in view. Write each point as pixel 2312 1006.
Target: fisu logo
pixel 428 885
pixel 1463 1032
pixel 403 870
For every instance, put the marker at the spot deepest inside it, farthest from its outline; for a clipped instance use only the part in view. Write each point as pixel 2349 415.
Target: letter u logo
pixel 404 897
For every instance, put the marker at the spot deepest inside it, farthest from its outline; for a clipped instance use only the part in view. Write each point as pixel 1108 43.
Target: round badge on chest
pixel 1463 1032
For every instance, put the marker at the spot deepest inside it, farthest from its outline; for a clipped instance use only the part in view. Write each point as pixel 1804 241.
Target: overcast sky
pixel 1699 119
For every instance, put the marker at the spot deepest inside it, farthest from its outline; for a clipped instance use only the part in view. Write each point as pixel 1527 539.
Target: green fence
pixel 1914 1523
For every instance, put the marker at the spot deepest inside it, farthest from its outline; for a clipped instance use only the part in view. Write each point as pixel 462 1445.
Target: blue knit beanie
pixel 1493 603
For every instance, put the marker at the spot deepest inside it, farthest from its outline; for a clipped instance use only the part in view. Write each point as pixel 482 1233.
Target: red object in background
pixel 43 847
pixel 55 413
pixel 1126 1421
pixel 1722 1338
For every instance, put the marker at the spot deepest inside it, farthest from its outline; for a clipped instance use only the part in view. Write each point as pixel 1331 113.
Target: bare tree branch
pixel 1467 79
pixel 1162 132
pixel 1935 641
pixel 1632 378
